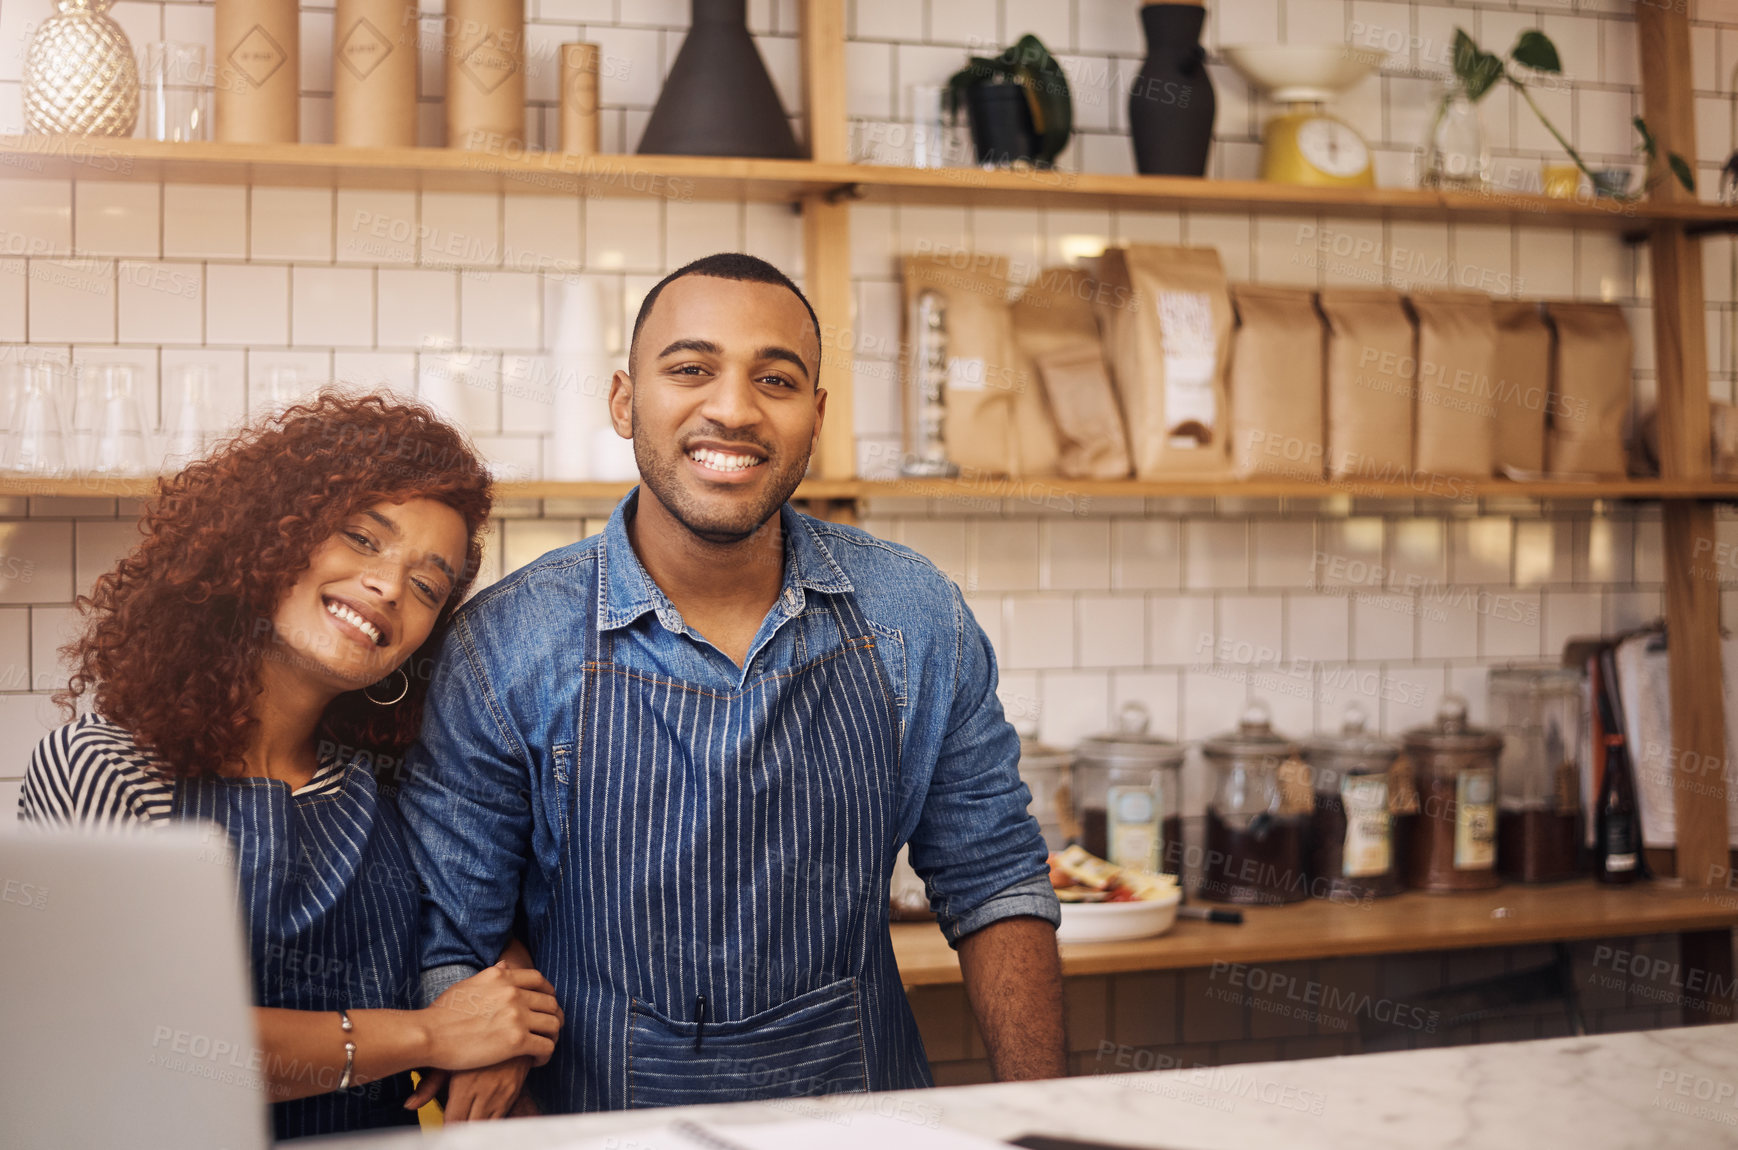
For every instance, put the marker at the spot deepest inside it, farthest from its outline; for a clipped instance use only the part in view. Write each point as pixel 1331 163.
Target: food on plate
pixel 1081 877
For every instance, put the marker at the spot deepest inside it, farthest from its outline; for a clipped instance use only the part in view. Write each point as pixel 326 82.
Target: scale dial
pixel 1332 148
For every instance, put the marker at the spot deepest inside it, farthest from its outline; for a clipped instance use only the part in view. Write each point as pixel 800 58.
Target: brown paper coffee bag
pixel 1523 385
pixel 1591 387
pixel 1276 383
pixel 995 420
pixel 1456 422
pixel 1371 371
pixel 1055 328
pixel 1168 339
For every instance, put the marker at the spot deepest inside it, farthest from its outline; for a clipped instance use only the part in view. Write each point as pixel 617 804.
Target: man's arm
pixel 1013 979
pixel 466 805
pixel 981 855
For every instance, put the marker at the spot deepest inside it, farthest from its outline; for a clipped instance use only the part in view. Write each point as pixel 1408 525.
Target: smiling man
pixel 687 752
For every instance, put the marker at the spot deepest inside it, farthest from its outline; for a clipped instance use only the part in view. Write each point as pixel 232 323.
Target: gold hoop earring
pixel 396 698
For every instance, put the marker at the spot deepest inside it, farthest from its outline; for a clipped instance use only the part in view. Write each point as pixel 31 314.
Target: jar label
pixel 1369 847
pixel 1134 828
pixel 1475 819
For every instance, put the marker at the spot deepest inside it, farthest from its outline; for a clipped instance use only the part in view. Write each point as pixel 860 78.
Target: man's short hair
pixel 725 266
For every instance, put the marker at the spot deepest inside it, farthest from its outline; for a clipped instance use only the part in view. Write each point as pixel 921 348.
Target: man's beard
pixel 660 471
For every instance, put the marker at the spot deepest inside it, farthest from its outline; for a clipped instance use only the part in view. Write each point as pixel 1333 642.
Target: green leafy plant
pixel 1029 64
pixel 1479 71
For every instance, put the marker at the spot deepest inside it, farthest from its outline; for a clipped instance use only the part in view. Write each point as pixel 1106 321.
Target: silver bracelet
pixel 349 1050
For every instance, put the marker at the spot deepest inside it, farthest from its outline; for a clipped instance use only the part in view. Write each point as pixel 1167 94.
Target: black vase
pixel 1170 108
pixel 1001 120
pixel 719 100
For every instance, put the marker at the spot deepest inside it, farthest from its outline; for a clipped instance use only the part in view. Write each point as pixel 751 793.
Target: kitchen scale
pixel 1303 144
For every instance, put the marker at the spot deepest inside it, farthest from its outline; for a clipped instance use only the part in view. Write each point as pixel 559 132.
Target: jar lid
pixel 1353 749
pixel 1452 732
pixel 1035 756
pixel 1130 743
pixel 1254 736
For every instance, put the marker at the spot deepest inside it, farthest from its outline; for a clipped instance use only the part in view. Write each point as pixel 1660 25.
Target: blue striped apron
pixel 719 933
pixel 330 899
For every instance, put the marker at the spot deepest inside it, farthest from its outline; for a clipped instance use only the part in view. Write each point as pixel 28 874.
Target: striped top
pixel 92 772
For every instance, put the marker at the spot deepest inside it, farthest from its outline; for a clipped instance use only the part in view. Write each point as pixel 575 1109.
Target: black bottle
pixel 1617 854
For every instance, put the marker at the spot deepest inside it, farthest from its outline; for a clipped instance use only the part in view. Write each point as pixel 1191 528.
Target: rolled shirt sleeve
pixel 976 846
pixel 466 805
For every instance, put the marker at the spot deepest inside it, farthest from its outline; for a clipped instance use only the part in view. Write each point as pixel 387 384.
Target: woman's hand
pixel 493 1016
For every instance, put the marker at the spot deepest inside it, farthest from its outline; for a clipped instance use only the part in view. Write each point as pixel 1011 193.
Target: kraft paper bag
pixel 1371 373
pixel 996 423
pixel 1166 314
pixel 1456 421
pixel 1277 354
pixel 1591 388
pixel 1523 381
pixel 1055 328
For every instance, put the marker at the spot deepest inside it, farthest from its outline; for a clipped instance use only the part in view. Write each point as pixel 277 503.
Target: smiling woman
pixel 282 610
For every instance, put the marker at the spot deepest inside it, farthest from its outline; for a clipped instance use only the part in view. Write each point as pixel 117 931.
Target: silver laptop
pixel 125 1010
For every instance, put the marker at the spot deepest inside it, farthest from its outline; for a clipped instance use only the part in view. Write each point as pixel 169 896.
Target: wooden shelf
pixel 1049 491
pixel 1407 922
pixel 787 181
pixel 1046 492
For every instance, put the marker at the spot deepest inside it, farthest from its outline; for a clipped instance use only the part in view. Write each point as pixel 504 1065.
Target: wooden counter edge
pixel 925 959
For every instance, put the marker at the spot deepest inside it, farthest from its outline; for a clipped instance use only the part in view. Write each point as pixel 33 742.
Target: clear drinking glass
pixel 35 440
pixel 174 83
pixel 120 425
pixel 1456 152
pixel 935 139
pixel 186 416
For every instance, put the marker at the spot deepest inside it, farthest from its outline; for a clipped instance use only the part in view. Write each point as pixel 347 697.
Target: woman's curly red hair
pixel 175 634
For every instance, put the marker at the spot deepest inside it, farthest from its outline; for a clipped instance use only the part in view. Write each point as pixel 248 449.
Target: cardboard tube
pixel 374 74
pixel 579 113
pixel 258 71
pixel 485 66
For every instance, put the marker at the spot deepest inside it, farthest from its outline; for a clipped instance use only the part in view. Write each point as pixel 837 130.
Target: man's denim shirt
pixel 487 786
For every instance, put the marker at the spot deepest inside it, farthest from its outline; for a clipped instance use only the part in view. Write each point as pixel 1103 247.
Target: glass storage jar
pixel 1044 770
pixel 1539 817
pixel 1451 843
pixel 1128 795
pixel 1352 848
pixel 1255 845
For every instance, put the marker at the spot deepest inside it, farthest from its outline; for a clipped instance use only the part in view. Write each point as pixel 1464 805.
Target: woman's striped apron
pixel 330 898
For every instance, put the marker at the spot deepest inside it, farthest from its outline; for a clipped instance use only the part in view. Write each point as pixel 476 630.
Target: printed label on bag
pixel 966 373
pixel 1369 845
pixel 1186 335
pixel 1134 828
pixel 1475 820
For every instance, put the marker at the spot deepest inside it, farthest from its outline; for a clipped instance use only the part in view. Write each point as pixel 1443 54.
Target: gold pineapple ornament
pixel 80 77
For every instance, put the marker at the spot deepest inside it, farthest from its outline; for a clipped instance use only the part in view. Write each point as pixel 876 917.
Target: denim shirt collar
pixel 625 592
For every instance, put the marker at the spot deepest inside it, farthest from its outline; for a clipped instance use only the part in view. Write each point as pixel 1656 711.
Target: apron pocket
pixel 812 1044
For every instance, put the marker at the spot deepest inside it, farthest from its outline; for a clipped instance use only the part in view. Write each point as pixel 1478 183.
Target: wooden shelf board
pixel 735 178
pixel 95 486
pixel 1407 922
pixel 1049 491
pixel 1076 493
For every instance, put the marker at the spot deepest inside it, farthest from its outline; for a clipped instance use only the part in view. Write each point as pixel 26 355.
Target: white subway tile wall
pixel 1191 607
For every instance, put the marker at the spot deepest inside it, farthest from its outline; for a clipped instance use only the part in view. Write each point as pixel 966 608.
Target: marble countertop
pixel 1647 1089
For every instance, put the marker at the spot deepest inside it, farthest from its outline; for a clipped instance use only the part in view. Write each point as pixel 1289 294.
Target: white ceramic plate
pixel 1117 921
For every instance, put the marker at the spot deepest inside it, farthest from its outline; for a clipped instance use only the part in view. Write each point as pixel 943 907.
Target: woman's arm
pixel 493 1016
pixel 491 1091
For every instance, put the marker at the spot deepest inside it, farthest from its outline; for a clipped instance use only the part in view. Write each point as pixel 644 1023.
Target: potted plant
pixel 1477 71
pixel 1017 104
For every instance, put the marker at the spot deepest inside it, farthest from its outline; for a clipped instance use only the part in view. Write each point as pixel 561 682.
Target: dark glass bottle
pixel 1617 831
pixel 1617 845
